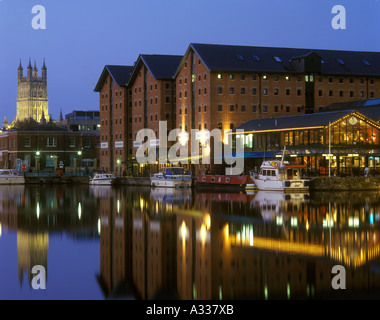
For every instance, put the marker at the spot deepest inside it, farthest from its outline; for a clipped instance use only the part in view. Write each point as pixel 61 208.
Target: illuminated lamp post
pixel 38 162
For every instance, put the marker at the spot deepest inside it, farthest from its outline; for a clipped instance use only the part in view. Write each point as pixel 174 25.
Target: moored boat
pixel 171 177
pixel 222 180
pixel 102 179
pixel 279 175
pixel 9 176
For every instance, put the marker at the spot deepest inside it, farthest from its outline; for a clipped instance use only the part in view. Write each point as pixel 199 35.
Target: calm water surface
pixel 140 243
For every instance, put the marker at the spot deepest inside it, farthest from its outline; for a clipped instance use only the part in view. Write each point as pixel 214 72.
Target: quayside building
pixel 349 137
pixel 222 87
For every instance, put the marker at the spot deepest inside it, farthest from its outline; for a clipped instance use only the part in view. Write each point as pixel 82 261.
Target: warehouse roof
pixel 279 60
pixel 119 74
pixel 160 66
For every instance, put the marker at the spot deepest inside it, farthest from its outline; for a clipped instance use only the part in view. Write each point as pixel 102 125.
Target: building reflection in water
pixel 180 244
pixel 169 243
pixel 35 213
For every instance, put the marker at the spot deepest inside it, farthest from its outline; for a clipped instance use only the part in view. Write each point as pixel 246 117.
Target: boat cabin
pixel 280 170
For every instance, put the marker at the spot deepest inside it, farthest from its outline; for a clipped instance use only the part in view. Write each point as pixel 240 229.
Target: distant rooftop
pixel 79 114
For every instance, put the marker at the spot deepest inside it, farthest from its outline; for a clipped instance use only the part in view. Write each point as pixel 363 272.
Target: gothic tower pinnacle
pixel 32 100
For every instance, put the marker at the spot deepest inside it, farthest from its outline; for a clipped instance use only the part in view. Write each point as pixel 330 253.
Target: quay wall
pixel 56 180
pixel 134 181
pixel 344 183
pixel 316 183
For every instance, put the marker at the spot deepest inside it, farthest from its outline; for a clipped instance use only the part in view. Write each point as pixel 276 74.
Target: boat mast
pixel 329 149
pixel 283 155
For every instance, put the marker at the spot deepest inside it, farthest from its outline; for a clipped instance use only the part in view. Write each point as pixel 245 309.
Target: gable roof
pixel 278 60
pixel 161 66
pixel 119 74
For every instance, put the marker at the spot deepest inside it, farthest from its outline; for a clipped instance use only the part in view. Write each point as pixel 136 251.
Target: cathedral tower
pixel 32 101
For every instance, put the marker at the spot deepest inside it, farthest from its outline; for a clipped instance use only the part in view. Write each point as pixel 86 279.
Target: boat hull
pixel 221 180
pixel 171 183
pixel 105 182
pixel 282 185
pixel 12 180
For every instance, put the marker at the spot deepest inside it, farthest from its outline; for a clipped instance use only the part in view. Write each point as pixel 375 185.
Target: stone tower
pixel 32 100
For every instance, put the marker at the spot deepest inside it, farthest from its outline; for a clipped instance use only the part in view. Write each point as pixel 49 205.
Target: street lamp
pixel 118 168
pixel 38 162
pixel 79 159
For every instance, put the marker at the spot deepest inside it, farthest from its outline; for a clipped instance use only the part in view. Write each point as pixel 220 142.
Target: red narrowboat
pixel 221 180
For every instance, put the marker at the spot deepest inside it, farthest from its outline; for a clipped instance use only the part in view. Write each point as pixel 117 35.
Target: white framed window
pixel 51 142
pixel 72 142
pixel 27 142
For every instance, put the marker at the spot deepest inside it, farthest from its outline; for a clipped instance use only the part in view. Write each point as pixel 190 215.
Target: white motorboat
pixel 102 179
pixel 171 177
pixel 276 175
pixel 9 176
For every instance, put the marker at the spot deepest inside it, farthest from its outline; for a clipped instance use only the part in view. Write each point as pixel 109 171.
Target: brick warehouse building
pixel 153 93
pixel 115 111
pixel 42 147
pixel 223 86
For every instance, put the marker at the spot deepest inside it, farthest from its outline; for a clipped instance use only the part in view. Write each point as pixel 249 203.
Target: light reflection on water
pixel 140 243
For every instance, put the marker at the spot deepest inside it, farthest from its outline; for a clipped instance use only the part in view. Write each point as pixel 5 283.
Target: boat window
pixel 227 179
pixel 212 179
pixel 273 173
pixel 203 178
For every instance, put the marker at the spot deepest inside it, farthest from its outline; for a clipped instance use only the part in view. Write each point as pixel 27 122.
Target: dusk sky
pixel 83 36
